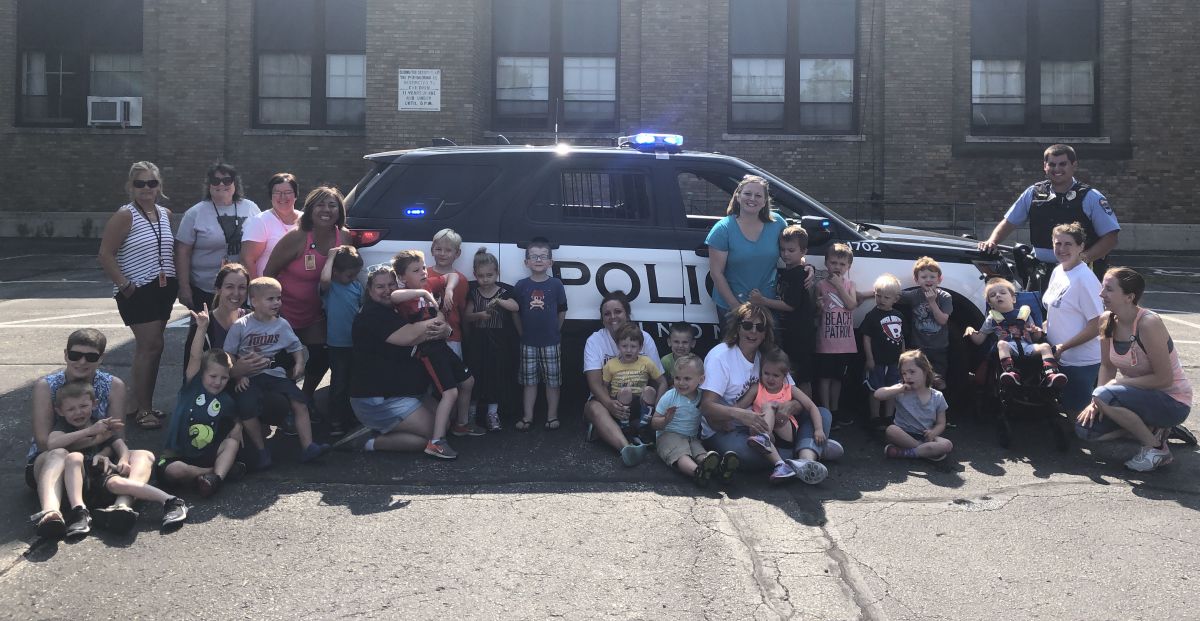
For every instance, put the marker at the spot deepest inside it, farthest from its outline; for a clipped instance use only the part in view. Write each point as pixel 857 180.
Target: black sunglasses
pixel 220 181
pixel 139 184
pixel 754 325
pixel 90 356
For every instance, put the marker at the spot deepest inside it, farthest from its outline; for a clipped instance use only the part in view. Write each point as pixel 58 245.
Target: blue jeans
pixel 1155 407
pixel 1081 381
pixel 751 459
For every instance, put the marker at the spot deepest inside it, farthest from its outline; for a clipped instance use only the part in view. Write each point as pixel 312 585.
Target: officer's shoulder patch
pixel 1104 204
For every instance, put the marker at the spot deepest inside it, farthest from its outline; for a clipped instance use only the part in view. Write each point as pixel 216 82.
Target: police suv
pixel 632 217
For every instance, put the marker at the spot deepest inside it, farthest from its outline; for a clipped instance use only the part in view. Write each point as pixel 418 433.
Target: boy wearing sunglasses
pixel 44 466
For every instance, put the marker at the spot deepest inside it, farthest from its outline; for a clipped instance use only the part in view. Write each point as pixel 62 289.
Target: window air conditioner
pixel 114 111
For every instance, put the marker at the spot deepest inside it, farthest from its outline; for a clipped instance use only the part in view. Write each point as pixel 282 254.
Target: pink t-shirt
pixel 835 322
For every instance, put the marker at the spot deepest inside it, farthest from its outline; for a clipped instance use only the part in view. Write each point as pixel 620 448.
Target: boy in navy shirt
pixel 542 301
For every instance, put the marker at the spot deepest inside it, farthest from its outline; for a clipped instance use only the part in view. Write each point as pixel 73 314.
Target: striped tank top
pixel 148 248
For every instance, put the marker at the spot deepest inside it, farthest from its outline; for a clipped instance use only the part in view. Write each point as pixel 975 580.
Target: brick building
pixel 881 109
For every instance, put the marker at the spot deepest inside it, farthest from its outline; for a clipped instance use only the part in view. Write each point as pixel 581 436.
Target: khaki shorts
pixel 671 446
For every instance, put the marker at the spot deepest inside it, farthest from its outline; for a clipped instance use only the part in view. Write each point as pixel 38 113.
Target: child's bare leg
pixel 179 472
pixel 649 396
pixel 48 471
pixel 464 400
pixel 73 479
pixel 625 397
pixel 783 429
pixel 126 487
pixel 897 436
pixel 254 432
pixel 552 395
pixel 530 400
pixel 768 414
pixel 686 465
pixel 935 449
pixel 441 415
pixel 1003 350
pixel 226 455
pixel 823 388
pixel 303 424
pixel 141 465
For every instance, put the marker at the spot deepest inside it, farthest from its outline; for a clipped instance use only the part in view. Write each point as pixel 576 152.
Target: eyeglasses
pixel 538 257
pixel 90 356
pixel 757 326
pixel 220 181
pixel 151 183
pixel 283 194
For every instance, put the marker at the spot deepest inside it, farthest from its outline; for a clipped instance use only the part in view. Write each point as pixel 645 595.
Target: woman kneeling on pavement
pixel 1151 394
pixel 731 369
pixel 389 384
pixel 602 411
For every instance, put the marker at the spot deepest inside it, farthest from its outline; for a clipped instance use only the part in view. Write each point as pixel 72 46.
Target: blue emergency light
pixel 414 212
pixel 650 142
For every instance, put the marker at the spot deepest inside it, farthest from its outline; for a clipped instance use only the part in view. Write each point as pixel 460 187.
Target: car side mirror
pixel 819 229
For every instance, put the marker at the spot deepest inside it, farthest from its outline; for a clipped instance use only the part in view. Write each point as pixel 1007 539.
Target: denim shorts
pixel 883 375
pixel 384 414
pixel 1155 407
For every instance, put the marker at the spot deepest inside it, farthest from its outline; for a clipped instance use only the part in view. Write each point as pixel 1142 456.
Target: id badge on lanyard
pixel 310 262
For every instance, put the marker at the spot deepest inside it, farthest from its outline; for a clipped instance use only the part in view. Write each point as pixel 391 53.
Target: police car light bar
pixel 415 212
pixel 651 142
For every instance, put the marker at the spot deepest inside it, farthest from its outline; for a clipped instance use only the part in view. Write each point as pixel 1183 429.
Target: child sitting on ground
pixel 1015 332
pixel 266 333
pixel 98 455
pixel 775 399
pixel 450 376
pixel 342 295
pixel 682 340
pixel 627 378
pixel 204 433
pixel 677 423
pixel 920 412
pixel 882 342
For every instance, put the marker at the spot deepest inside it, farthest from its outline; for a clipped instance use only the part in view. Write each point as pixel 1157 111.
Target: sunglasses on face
pixel 150 183
pixel 90 356
pixel 757 326
pixel 220 181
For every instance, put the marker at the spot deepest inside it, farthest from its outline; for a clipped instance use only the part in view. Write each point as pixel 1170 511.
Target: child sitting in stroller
pixel 1015 333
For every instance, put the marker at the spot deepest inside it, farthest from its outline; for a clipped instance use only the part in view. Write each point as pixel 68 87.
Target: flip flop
pixel 553 425
pixel 523 425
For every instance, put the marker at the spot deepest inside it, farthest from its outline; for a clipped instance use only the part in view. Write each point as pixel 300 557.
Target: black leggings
pixel 315 368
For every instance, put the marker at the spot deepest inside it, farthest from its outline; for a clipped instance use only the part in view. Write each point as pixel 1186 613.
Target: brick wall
pixel 912 93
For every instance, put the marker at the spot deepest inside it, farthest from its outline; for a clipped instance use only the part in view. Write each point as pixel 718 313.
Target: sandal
pixel 147 419
pixel 523 425
pixel 553 425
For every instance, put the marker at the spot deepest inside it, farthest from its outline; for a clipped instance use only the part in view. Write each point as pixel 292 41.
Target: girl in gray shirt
pixel 920 412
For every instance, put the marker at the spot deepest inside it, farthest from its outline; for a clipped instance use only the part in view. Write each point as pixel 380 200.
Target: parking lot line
pixel 21 321
pixel 1165 314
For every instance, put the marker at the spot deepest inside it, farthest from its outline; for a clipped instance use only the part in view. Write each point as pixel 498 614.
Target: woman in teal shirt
pixel 743 247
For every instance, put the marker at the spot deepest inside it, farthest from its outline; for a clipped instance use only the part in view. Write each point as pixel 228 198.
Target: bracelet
pixel 124 286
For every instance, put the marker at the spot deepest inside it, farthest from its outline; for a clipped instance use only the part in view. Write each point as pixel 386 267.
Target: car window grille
pixel 599 195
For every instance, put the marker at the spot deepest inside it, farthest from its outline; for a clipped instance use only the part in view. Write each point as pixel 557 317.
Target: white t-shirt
pixel 1072 299
pixel 601 347
pixel 728 374
pixel 201 230
pixel 267 229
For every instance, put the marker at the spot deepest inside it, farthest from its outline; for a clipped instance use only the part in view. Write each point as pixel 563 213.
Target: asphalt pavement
pixel 541 524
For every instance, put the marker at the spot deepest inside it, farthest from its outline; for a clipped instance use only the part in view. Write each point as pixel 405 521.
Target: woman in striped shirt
pixel 137 254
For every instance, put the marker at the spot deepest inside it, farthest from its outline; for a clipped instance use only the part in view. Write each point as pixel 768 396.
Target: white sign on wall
pixel 420 89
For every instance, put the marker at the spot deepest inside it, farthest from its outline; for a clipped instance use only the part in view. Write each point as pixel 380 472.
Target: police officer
pixel 1060 199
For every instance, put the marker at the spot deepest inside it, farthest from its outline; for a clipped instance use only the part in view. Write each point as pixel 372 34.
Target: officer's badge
pixel 1104 204
pixel 1071 195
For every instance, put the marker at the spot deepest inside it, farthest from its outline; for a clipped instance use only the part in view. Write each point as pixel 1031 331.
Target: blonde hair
pixel 691 360
pixel 995 283
pixel 750 312
pixel 839 251
pixel 887 283
pixel 263 284
pixel 145 166
pixel 918 358
pixel 449 235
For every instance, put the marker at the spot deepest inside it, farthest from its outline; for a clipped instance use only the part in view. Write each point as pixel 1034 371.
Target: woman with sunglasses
pixel 136 254
pixel 297 261
pixel 210 235
pixel 730 369
pixel 601 410
pixel 1142 392
pixel 264 230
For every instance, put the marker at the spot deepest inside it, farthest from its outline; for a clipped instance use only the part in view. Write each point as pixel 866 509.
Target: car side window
pixel 583 195
pixel 433 192
pixel 702 197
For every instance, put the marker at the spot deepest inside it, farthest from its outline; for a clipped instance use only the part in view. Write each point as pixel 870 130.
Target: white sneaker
pixel 1149 458
pixel 832 451
pixel 809 471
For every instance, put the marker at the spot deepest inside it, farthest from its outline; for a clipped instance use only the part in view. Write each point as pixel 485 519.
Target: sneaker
pixel 208 484
pixel 175 511
pixel 117 518
pixel 80 522
pixel 354 441
pixel 49 524
pixel 469 429
pixel 707 467
pixel 782 473
pixel 264 459
pixel 493 421
pixel 1010 378
pixel 313 451
pixel 892 451
pixel 1183 434
pixel 729 465
pixel 634 454
pixel 440 449
pixel 833 450
pixel 1054 379
pixel 809 471
pixel 1149 458
pixel 760 442
pixel 236 471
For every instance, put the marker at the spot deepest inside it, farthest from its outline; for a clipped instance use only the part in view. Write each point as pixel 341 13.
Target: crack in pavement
pixel 781 606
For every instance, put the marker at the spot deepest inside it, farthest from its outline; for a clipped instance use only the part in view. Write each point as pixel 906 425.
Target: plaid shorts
pixel 540 364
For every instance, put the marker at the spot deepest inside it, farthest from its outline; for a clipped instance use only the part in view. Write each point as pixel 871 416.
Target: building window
pixel 1033 67
pixel 311 63
pixel 555 64
pixel 69 50
pixel 792 65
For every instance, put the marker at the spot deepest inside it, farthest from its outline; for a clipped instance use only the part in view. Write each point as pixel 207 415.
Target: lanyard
pixel 156 226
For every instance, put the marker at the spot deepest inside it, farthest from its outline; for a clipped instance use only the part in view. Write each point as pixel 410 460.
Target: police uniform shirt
pixel 1095 207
